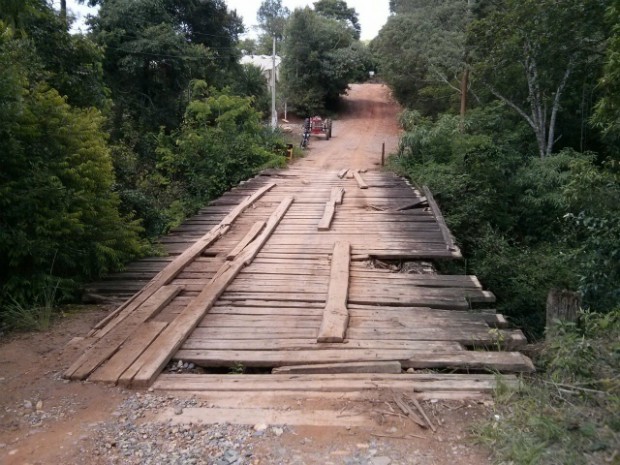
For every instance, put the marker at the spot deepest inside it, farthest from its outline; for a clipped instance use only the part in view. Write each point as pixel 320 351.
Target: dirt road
pixel 368 120
pixel 46 420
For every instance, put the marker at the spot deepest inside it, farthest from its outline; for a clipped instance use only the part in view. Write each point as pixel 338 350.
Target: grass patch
pixel 567 414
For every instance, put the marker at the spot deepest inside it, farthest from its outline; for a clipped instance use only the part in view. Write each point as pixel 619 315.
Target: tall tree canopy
pixel 422 52
pixel 272 17
pixel 526 54
pixel 340 11
pixel 321 58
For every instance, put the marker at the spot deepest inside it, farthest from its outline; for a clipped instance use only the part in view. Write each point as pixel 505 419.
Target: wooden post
pixel 562 305
pixel 383 154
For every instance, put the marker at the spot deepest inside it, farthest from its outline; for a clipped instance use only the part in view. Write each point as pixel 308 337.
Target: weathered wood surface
pixel 334 383
pixel 336 315
pixel 258 285
pixel 353 367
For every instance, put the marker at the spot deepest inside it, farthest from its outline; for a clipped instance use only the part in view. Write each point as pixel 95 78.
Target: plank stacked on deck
pixel 287 282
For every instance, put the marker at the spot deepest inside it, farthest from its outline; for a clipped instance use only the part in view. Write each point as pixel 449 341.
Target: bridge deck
pixel 299 272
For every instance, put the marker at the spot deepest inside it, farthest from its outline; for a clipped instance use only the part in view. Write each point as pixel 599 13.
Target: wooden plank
pixel 511 362
pixel 104 347
pixel 250 253
pixel 342 173
pixel 337 195
pixel 195 342
pixel 131 350
pixel 440 220
pixel 166 276
pixel 336 315
pixel 276 358
pixel 328 215
pixel 153 360
pixel 334 383
pixel 249 237
pixel 360 181
pixel 353 367
pixel 416 203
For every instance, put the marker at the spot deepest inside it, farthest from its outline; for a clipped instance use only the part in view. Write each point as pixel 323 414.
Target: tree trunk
pixel 63 11
pixel 562 306
pixel 464 86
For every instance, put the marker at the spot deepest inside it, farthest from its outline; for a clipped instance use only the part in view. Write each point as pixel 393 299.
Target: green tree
pixel 340 11
pixel 607 116
pixel 59 214
pixel 526 54
pixel 220 143
pixel 319 61
pixel 272 18
pixel 422 53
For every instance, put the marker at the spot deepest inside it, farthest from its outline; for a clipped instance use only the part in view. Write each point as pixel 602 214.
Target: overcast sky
pixel 372 13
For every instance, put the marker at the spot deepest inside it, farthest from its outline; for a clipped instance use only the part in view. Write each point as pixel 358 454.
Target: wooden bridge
pixel 313 280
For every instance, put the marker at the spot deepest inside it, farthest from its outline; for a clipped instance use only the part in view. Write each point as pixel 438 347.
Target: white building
pixel 264 62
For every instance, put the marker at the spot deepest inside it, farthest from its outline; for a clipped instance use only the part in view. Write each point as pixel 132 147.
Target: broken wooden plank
pixel 342 173
pixel 416 203
pixel 352 367
pixel 421 410
pixel 106 346
pixel 249 237
pixel 336 315
pixel 360 181
pixel 131 350
pixel 406 409
pixel 155 358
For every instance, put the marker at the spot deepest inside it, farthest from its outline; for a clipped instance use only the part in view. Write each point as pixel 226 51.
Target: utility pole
pixel 274 114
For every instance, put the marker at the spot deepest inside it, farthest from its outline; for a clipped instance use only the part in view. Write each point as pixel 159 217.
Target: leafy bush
pixel 59 215
pixel 221 143
pixel 525 224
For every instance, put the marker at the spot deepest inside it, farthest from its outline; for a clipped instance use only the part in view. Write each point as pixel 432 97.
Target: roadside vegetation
pixel 511 118
pixel 109 139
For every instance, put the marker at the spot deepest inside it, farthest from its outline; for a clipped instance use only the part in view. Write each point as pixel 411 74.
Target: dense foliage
pixel 321 58
pixel 112 138
pixel 528 184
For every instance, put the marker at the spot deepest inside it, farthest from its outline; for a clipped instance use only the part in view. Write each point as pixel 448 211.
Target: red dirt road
pixel 369 119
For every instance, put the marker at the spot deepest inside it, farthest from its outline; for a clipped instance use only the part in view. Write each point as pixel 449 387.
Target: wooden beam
pixel 354 367
pixel 337 195
pixel 347 382
pixel 360 181
pixel 249 237
pixel 154 359
pixel 505 362
pixel 131 350
pixel 445 232
pixel 328 215
pixel 106 346
pixel 171 271
pixel 281 358
pixel 416 203
pixel 336 315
